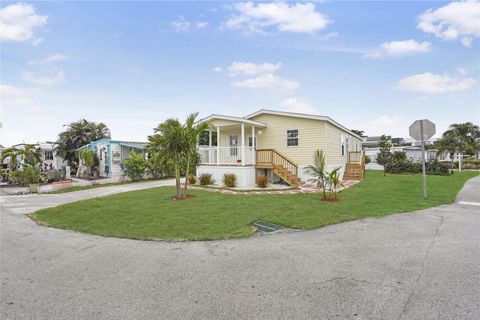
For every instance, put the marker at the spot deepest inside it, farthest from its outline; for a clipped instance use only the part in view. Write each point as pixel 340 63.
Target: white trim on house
pixel 302 115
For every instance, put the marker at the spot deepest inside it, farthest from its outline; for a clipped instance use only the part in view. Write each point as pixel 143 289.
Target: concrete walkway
pixel 421 265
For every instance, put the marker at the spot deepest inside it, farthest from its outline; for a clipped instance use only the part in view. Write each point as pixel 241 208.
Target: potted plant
pixel 33 176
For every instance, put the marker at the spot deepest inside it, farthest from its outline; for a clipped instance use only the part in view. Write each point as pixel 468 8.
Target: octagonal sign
pixel 428 129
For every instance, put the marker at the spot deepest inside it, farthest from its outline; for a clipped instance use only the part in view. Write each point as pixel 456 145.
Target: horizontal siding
pixel 311 134
pixel 335 137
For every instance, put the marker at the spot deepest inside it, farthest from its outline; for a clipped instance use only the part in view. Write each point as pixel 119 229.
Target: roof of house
pixel 231 118
pixel 304 116
pixel 130 144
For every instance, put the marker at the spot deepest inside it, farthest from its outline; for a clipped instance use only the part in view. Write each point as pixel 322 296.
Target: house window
pixel 292 138
pixel 48 155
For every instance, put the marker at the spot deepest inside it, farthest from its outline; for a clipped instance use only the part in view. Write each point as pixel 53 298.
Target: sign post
pixel 422 130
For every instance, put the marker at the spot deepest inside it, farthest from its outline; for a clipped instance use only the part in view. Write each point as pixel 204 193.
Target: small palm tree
pixel 335 180
pixel 318 172
pixel 88 158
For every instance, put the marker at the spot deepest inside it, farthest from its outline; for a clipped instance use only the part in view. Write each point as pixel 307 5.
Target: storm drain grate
pixel 267 227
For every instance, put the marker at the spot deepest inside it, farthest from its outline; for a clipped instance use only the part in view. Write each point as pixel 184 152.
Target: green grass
pixel 94 186
pixel 151 214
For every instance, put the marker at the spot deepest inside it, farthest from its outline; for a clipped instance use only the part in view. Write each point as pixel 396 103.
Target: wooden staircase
pixel 284 168
pixel 355 167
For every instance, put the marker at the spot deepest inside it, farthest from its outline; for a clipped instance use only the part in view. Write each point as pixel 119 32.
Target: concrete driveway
pixel 421 265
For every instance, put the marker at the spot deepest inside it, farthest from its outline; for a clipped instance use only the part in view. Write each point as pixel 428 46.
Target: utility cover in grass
pixel 267 227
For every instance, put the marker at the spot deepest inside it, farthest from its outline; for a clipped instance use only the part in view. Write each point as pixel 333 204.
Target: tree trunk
pixel 187 171
pixel 177 181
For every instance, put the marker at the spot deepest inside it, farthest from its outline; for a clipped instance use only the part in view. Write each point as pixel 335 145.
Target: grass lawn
pixel 151 214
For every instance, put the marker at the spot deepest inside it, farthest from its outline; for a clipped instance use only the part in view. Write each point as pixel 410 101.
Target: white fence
pixel 226 155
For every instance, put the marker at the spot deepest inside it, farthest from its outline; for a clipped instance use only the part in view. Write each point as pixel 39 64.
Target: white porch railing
pixel 226 156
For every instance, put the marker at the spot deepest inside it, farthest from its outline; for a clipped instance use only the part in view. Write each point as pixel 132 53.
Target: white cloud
pixel 217 69
pixel 269 82
pixel 17 22
pixel 259 76
pixel 201 24
pixel 285 17
pixel 387 121
pixel 52 58
pixel 181 25
pixel 11 95
pixel 452 21
pixel 297 105
pixel 44 80
pixel 400 49
pixel 251 69
pixel 434 83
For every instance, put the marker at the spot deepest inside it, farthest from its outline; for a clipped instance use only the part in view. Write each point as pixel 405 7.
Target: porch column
pixel 253 146
pixel 243 144
pixel 210 160
pixel 218 146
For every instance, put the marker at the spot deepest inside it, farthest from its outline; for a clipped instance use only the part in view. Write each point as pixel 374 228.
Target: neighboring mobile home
pixel 111 153
pixel 275 143
pixel 48 157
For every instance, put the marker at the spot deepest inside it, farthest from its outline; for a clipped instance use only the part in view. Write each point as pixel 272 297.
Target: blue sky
pixel 373 66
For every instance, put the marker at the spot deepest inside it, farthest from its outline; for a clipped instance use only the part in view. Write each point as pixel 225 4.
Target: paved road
pixel 422 265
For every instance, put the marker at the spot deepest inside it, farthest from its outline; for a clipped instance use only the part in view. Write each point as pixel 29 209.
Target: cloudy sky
pixel 373 66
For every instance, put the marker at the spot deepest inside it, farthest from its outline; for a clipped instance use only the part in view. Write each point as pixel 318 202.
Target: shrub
pixel 29 175
pixel 262 181
pixel 435 167
pixel 368 159
pixel 470 166
pixel 159 166
pixel 134 167
pixel 206 179
pixel 229 180
pixel 398 163
pixel 192 179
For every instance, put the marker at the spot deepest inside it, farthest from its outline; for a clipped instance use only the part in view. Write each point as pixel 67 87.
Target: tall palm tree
pixel 192 133
pixel 78 134
pixel 461 137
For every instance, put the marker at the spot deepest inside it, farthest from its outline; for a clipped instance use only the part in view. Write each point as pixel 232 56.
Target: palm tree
pixel 318 172
pixel 192 134
pixel 31 154
pixel 335 180
pixel 12 153
pixel 461 137
pixel 88 158
pixel 78 134
pixel 169 139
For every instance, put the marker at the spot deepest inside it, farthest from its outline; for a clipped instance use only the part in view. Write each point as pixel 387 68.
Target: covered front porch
pixel 231 141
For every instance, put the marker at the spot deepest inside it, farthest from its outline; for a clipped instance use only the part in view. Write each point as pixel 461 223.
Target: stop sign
pixel 428 129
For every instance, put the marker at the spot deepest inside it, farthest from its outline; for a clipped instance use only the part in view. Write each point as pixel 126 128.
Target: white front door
pixel 233 140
